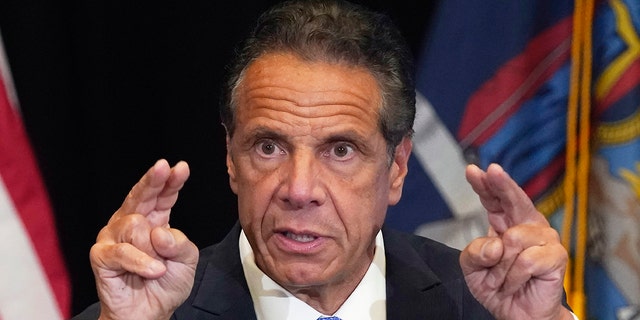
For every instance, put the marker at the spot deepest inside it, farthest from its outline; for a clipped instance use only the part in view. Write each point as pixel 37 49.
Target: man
pixel 319 113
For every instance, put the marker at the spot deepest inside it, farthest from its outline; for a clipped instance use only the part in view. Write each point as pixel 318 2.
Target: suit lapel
pixel 414 291
pixel 223 292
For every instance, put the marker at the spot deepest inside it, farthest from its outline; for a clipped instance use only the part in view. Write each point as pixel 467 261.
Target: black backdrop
pixel 107 87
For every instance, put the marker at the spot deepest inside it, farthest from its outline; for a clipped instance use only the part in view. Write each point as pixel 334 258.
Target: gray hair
pixel 334 31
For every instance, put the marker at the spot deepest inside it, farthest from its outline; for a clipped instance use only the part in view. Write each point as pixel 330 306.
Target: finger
pixel 134 229
pixel 112 260
pixel 515 202
pixel 519 238
pixel 177 177
pixel 540 263
pixel 145 191
pixel 159 215
pixel 174 245
pixel 515 241
pixel 477 179
pixel 506 203
pixel 480 254
pixel 497 255
pixel 156 193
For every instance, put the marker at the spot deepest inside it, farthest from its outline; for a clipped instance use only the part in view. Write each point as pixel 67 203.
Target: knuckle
pixel 531 235
pixel 133 220
pixel 96 252
pixel 120 250
pixel 527 263
pixel 547 236
pixel 104 234
pixel 553 235
pixel 139 261
pixel 131 196
pixel 512 236
pixel 132 229
pixel 561 252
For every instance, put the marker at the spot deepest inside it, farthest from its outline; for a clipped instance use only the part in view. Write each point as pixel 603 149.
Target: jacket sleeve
pixel 90 313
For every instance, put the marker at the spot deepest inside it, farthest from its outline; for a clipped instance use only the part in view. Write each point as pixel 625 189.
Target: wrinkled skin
pixel 312 173
pixel 517 271
pixel 143 268
pixel 313 178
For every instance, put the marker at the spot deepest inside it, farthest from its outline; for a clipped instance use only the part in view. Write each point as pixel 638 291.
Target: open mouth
pixel 300 237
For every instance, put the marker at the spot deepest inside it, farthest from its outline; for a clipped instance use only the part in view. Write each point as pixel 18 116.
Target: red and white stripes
pixel 34 283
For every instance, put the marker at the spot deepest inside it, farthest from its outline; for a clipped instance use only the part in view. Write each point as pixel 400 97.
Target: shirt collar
pixel 272 302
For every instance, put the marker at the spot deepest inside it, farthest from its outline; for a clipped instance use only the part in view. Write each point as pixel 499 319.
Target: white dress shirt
pixel 272 302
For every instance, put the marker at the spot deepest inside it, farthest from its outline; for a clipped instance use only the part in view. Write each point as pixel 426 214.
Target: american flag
pixel 34 283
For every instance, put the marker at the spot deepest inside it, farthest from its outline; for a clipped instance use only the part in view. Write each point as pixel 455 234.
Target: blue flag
pixel 493 86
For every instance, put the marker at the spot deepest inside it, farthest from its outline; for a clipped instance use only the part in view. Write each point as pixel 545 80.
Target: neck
pixel 327 299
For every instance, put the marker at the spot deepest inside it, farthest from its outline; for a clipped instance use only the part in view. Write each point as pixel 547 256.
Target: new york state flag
pixel 493 85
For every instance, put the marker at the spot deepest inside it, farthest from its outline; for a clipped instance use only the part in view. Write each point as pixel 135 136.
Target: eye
pixel 268 148
pixel 342 151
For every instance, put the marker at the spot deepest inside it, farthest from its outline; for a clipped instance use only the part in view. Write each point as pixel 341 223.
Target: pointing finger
pixel 159 216
pixel 155 193
pixel 506 203
pixel 145 190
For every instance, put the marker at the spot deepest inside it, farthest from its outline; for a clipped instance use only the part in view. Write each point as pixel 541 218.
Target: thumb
pixel 174 245
pixel 480 254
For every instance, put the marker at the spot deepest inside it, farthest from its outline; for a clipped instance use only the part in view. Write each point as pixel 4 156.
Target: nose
pixel 301 182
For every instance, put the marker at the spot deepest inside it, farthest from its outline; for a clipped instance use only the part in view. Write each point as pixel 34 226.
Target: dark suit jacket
pixel 424 281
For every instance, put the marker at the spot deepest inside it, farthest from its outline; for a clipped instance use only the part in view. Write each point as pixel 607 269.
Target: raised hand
pixel 517 271
pixel 143 268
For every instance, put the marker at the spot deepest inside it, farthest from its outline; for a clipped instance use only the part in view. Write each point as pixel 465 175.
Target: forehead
pixel 284 83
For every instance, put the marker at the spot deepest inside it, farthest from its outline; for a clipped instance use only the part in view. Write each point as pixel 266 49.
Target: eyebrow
pixel 266 132
pixel 349 135
pixel 263 132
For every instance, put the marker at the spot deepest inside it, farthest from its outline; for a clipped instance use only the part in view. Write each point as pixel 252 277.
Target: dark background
pixel 107 87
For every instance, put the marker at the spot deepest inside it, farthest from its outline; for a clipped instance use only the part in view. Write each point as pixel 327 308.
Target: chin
pixel 300 276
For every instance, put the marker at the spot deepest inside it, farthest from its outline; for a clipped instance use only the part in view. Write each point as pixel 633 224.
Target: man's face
pixel 311 170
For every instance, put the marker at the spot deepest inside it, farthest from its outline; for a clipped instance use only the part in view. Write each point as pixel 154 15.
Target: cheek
pixel 363 206
pixel 381 199
pixel 255 192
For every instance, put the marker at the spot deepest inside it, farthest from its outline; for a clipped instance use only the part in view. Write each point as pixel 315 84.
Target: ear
pixel 231 168
pixel 399 169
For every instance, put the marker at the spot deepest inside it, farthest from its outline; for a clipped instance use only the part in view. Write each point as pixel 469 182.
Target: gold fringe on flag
pixel 578 154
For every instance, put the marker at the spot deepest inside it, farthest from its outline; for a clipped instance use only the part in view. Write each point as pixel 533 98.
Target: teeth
pixel 300 237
